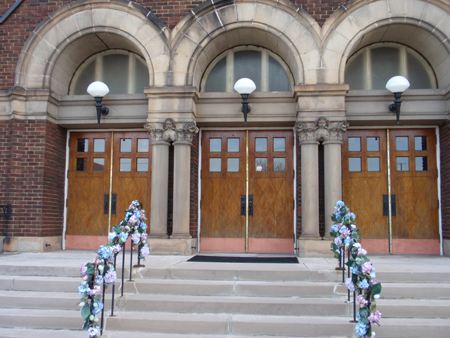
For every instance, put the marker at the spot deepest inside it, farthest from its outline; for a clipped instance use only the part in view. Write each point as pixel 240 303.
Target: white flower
pixel 377 296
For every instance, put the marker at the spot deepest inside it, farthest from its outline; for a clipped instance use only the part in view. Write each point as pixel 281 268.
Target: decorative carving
pixel 169 131
pixel 321 130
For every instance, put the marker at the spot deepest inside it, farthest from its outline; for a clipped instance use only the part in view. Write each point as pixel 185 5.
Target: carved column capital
pixel 170 132
pixel 306 131
pixel 321 131
pixel 337 130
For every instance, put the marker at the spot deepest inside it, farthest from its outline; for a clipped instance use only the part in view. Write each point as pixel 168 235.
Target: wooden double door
pixel 247 199
pixel 412 225
pixel 104 166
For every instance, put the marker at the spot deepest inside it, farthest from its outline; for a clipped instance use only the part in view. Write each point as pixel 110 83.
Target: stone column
pixel 310 179
pixel 181 181
pixel 160 180
pixel 333 173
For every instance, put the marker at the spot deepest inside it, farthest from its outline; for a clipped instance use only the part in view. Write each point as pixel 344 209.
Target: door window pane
pixel 125 165
pixel 420 143
pixel 233 145
pixel 279 144
pixel 99 165
pixel 99 145
pixel 279 164
pixel 422 163
pixel 82 164
pixel 260 144
pixel 354 144
pixel 142 165
pixel 215 145
pixel 233 165
pixel 373 164
pixel 401 143
pixel 373 144
pixel 125 145
pixel 215 164
pixel 143 145
pixel 402 163
pixel 261 164
pixel 354 164
pixel 82 145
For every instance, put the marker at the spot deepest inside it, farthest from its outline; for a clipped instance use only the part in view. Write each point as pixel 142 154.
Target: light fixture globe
pixel 98 89
pixel 244 86
pixel 397 84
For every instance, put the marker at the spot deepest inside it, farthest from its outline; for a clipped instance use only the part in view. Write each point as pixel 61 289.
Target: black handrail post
pixel 103 300
pixel 354 308
pixel 123 264
pixel 343 265
pixel 131 261
pixel 348 271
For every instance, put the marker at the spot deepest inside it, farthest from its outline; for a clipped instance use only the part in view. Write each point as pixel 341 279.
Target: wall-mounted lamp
pixel 397 85
pixel 245 87
pixel 98 90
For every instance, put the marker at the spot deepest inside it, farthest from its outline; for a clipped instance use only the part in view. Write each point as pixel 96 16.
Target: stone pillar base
pixel 31 244
pixel 180 236
pixel 184 247
pixel 447 247
pixel 314 248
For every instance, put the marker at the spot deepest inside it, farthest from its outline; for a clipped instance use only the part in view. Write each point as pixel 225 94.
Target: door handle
pixel 242 205
pixel 250 205
pixel 386 205
pixel 106 204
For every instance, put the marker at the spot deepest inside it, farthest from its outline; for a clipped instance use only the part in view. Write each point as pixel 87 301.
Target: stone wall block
pixel 263 13
pixel 415 9
pixel 305 43
pixel 433 15
pixel 280 19
pixel 180 63
pixel 311 60
pixel 258 35
pixel 245 11
pixel 444 25
pixel 68 26
pixel 336 42
pixel 55 36
pixel 131 24
pixel 33 81
pixel 145 34
pixel 397 8
pixel 443 73
pixel 310 76
pixel 116 18
pixel 161 63
pixel 331 59
pixel 378 10
pixel 100 17
pixel 221 44
pixel 210 22
pixel 179 78
pixel 83 20
pixel 197 33
pixel 233 37
pixel 157 47
pixel 160 79
pixel 36 66
pixel 294 30
pixel 186 47
pixel 348 28
pixel 227 14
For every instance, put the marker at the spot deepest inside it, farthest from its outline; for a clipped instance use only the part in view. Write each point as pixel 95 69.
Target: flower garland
pixel 100 271
pixel 362 281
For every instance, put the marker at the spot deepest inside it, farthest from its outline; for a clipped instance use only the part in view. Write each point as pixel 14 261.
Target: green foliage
pixel 118 229
pixel 376 289
pixel 85 312
pixel 90 270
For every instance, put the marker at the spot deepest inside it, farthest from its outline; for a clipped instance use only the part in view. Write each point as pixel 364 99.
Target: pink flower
pixel 132 220
pixel 83 269
pixel 362 300
pixel 374 317
pixel 362 251
pixel 366 268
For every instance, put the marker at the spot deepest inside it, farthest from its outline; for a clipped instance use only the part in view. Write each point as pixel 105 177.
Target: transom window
pixel 371 67
pixel 124 73
pixel 265 68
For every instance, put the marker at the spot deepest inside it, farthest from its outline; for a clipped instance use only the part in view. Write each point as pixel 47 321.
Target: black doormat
pixel 230 259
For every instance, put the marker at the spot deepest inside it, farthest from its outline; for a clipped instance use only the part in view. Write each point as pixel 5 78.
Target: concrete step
pixel 413 327
pixel 414 308
pixel 224 324
pixel 235 305
pixel 416 290
pixel 39 318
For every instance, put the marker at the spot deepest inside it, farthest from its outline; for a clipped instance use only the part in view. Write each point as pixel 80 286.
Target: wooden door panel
pixel 273 195
pixel 133 184
pixel 222 190
pixel 87 188
pixel 416 191
pixel 363 190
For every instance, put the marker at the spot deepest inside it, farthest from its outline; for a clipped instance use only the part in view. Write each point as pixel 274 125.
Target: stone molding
pixel 321 130
pixel 172 132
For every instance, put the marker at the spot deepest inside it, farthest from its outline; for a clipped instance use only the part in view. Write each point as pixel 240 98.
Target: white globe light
pixel 244 86
pixel 397 84
pixel 98 89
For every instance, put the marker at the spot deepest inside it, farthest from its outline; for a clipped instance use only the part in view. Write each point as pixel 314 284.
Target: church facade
pixel 319 128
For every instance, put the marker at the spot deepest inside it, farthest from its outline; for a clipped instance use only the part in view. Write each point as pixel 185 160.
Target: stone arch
pixel 69 36
pixel 212 28
pixel 423 26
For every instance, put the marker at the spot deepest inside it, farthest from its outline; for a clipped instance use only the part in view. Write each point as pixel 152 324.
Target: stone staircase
pixel 174 298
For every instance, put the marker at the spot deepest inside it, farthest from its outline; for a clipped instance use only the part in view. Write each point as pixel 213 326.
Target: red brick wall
pixel 34 153
pixel 19 25
pixel 193 214
pixel 445 178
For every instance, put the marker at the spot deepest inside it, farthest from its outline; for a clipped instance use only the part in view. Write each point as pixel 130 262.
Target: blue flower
pixel 143 226
pixel 355 270
pixel 363 284
pixel 361 329
pixel 98 280
pixel 82 289
pixel 123 237
pixel 334 228
pixel 348 240
pixel 137 214
pixel 343 229
pixel 104 251
pixel 339 204
pixel 98 309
